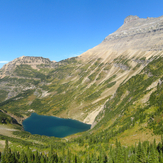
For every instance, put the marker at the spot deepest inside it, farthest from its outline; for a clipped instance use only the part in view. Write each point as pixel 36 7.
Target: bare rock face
pixel 130 19
pixel 135 27
pixel 136 35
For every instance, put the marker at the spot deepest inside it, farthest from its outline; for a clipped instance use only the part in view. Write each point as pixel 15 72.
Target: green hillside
pixel 63 92
pixel 128 129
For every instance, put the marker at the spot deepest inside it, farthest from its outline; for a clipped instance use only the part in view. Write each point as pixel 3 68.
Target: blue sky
pixel 59 29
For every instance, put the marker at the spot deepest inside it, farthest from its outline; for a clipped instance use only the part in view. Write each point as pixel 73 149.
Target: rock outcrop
pixel 130 19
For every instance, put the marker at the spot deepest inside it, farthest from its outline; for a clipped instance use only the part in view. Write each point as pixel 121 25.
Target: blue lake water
pixel 53 126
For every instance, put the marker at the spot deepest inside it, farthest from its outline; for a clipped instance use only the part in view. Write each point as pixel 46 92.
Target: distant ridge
pixel 27 60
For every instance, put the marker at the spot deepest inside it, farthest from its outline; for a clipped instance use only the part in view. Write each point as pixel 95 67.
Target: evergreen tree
pixel 60 160
pixel 6 150
pixel 162 140
pixel 135 160
pixel 55 157
pixel 29 155
pixel 119 155
pixel 23 157
pixel 42 160
pixel 141 155
pixel 154 143
pixel 161 157
pixel 110 159
pixel 125 155
pixel 75 159
pixel 12 158
pixel 17 155
pixel 37 160
pixel 159 147
pixel 94 158
pixel 5 158
pixel 153 155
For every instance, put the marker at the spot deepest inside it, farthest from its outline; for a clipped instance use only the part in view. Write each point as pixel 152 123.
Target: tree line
pixel 143 152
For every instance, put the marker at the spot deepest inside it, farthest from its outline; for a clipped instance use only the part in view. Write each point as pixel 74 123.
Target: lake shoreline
pixel 53 126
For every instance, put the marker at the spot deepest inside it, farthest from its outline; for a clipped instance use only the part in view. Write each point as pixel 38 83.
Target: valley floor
pixel 6 130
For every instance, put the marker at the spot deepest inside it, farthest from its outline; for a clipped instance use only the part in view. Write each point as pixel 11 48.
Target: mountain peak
pixel 31 59
pixel 137 33
pixel 25 60
pixel 130 18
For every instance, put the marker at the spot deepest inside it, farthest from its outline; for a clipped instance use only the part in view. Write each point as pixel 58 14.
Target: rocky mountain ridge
pixel 133 25
pixel 8 68
pixel 133 37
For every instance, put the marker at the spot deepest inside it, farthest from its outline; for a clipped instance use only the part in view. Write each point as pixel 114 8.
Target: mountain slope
pixel 81 87
pixel 135 111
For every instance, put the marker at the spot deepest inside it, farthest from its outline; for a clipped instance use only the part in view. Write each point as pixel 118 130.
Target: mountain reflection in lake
pixel 53 126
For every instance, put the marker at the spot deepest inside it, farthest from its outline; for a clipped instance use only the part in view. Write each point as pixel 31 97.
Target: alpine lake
pixel 53 126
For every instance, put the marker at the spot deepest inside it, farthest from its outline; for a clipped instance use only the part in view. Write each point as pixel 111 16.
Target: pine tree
pixel 110 159
pixel 153 155
pixel 75 159
pixel 162 140
pixel 42 160
pixel 29 155
pixel 63 154
pixel 12 158
pixel 37 160
pixel 23 157
pixel 60 160
pixel 17 155
pixel 55 157
pixel 159 147
pixel 135 160
pixel 139 150
pixel 5 157
pixel 125 155
pixel 161 157
pixel 6 150
pixel 93 158
pixel 118 149
pixel 154 143
pixel 141 155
